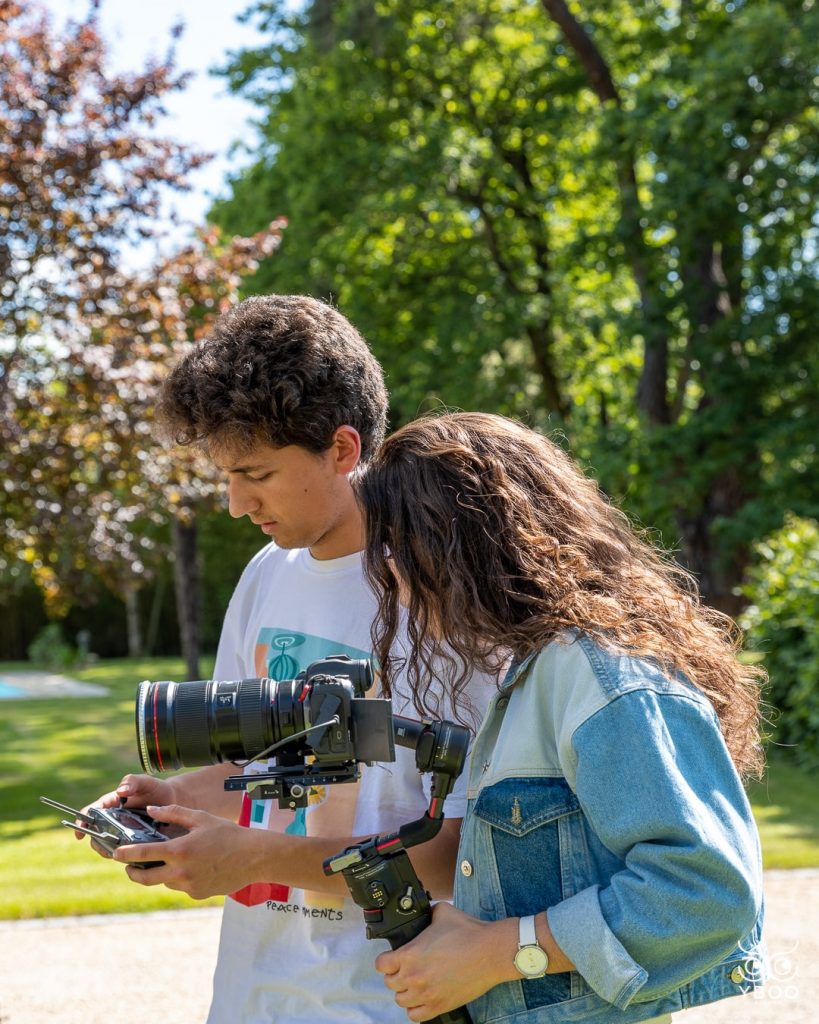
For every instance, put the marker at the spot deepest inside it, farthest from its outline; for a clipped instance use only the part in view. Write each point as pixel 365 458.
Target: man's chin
pixel 287 543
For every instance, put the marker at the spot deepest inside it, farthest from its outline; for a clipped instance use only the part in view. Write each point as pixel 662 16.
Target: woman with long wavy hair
pixel 609 865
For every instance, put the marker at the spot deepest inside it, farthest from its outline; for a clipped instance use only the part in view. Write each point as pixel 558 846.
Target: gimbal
pixel 378 871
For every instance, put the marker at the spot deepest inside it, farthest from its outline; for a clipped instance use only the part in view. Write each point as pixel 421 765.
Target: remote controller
pixel 112 827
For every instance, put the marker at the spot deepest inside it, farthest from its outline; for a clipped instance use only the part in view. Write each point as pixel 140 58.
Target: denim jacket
pixel 601 791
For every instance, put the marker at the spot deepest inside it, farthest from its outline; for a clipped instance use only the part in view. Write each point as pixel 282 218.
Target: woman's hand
pixel 453 961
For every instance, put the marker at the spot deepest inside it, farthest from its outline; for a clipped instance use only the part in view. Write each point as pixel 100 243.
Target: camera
pixel 321 713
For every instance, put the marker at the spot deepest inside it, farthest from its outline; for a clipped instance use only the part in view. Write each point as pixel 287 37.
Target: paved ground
pixel 157 967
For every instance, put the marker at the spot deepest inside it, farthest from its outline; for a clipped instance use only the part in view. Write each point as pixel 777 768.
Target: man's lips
pixel 265 526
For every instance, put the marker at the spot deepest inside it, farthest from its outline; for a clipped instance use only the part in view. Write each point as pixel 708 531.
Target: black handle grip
pixel 457 1016
pixel 383 882
pixel 460 1014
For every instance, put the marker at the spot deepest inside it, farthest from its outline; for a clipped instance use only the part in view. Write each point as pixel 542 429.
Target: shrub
pixel 782 622
pixel 50 648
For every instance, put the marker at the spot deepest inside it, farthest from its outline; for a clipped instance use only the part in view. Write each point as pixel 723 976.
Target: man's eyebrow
pixel 240 469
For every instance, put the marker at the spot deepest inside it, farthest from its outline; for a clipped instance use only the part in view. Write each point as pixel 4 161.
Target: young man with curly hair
pixel 288 401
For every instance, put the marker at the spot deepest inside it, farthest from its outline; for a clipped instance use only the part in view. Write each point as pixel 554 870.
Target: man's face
pixel 297 498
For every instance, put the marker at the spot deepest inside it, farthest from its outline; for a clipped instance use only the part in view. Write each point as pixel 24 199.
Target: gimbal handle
pixel 383 882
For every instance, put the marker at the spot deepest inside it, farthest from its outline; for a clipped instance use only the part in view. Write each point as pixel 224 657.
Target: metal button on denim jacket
pixel 602 791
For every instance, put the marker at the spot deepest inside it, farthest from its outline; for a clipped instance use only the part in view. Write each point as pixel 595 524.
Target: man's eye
pixel 258 479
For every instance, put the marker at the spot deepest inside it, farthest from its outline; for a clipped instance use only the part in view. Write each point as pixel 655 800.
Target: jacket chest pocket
pixel 530 854
pixel 532 834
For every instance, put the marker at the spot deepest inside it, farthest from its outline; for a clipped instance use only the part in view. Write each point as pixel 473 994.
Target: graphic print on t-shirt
pixel 281 654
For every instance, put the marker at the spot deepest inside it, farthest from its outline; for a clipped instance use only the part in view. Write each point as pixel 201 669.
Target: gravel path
pixel 157 967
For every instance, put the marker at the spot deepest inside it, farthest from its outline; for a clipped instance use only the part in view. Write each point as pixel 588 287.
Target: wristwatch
pixel 531 959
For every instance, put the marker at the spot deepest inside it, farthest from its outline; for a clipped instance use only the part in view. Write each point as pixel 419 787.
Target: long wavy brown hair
pixel 501 544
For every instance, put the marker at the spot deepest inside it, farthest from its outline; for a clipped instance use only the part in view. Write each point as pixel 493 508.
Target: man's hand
pixel 453 961
pixel 212 857
pixel 138 791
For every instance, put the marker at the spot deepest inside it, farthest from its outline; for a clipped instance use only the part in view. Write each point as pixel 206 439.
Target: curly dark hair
pixel 503 543
pixel 276 369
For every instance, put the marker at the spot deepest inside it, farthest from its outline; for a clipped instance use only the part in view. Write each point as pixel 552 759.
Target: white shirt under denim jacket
pixel 602 791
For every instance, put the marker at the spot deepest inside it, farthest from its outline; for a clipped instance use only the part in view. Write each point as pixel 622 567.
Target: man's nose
pixel 240 501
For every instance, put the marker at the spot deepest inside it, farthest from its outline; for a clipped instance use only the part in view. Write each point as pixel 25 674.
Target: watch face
pixel 531 960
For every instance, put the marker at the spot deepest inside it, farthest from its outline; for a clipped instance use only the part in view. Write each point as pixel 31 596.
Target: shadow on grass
pixel 71 750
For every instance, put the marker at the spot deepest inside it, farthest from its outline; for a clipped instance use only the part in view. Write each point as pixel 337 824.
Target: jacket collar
pixel 517 669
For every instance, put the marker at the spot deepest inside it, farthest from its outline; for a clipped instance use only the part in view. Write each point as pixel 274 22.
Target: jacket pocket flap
pixel 519 805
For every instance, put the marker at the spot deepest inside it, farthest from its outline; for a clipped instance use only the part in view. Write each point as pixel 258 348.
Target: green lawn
pixel 70 749
pixel 74 749
pixel 786 808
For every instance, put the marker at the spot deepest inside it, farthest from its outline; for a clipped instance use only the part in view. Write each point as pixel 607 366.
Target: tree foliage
pixel 84 343
pixel 598 217
pixel 81 173
pixel 81 168
pixel 783 589
pixel 105 487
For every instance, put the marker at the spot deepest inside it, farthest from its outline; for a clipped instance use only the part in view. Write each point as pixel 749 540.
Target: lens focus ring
pixel 191 723
pixel 255 720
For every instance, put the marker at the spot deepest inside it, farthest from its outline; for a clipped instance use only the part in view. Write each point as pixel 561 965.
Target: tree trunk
pixel 135 648
pixel 156 611
pixel 540 338
pixel 718 575
pixel 652 391
pixel 186 581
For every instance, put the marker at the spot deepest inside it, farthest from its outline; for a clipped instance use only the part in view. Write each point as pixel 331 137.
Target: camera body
pixel 319 727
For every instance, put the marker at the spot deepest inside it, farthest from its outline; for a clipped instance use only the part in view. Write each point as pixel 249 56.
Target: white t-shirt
pixel 286 955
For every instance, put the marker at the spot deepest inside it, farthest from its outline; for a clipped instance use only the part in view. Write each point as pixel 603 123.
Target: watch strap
pixel 527 936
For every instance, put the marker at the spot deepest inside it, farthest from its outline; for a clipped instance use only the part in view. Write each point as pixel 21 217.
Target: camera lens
pixel 206 722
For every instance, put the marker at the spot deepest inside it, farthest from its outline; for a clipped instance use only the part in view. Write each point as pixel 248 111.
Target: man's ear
pixel 346 448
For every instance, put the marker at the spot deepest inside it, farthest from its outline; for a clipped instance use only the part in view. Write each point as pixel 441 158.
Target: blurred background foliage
pixel 600 218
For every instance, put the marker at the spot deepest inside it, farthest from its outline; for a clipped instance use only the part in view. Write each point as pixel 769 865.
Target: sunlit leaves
pixel 91 431
pixel 81 167
pixel 83 343
pixel 511 232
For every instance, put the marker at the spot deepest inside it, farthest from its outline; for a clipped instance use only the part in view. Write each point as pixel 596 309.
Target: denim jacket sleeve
pixel 659 790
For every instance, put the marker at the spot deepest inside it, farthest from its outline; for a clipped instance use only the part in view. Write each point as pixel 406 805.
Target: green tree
pixel 783 591
pixel 595 216
pixel 87 494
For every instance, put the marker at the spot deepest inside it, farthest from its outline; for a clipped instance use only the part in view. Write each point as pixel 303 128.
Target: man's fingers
pixel 173 814
pixel 136 787
pixel 180 817
pixel 392 982
pixel 139 853
pixel 145 876
pixel 101 850
pixel 129 785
